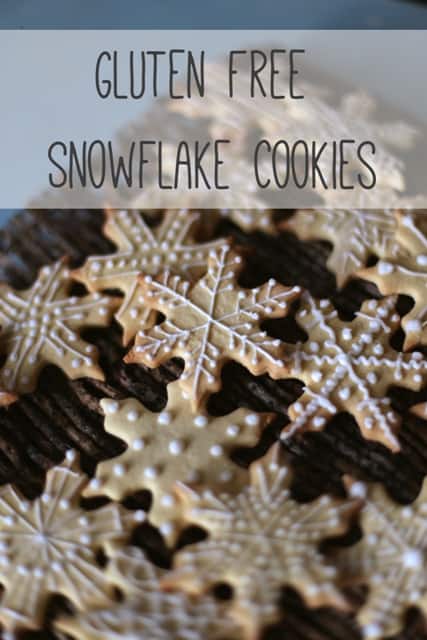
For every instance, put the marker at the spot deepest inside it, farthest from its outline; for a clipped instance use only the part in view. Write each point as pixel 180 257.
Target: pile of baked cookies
pixel 173 285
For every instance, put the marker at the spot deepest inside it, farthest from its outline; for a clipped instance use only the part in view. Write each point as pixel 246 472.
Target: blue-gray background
pixel 211 14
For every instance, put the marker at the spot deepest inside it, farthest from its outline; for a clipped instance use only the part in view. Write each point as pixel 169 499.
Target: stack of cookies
pixel 213 425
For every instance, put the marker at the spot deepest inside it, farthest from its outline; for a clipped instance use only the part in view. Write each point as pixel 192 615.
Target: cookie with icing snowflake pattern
pixel 170 446
pixel 142 248
pixel 390 559
pixel 406 275
pixel 148 613
pixel 349 366
pixel 355 236
pixel 39 327
pixel 49 546
pixel 212 322
pixel 259 541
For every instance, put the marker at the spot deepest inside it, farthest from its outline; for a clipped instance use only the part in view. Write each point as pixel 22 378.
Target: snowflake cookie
pixel 148 613
pixel 39 327
pixel 259 541
pixel 173 445
pixel 212 322
pixel 390 559
pixel 406 275
pixel 170 245
pixel 49 546
pixel 355 236
pixel 349 366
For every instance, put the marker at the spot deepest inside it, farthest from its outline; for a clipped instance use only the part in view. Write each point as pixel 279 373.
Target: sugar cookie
pixel 212 322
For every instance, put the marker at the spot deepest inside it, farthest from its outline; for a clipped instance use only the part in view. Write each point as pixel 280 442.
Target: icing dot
pixel 312 589
pixel 132 415
pixel 358 490
pixel 76 363
pixel 110 406
pixel 167 500
pixel 412 559
pixel 368 423
pixel 371 377
pixel 85 538
pixel 252 420
pixel 119 470
pixel 138 444
pixel 344 393
pixel 95 484
pixel 422 261
pixel 56 566
pixel 346 334
pixel 385 268
pixel 176 447
pixel 232 430
pixel 413 326
pixel 372 631
pixel 316 376
pixel 200 421
pixel 64 504
pixel 164 418
pixel 140 516
pixel 83 521
pixel 216 450
pixel 319 422
pixel 167 528
pixel 150 472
